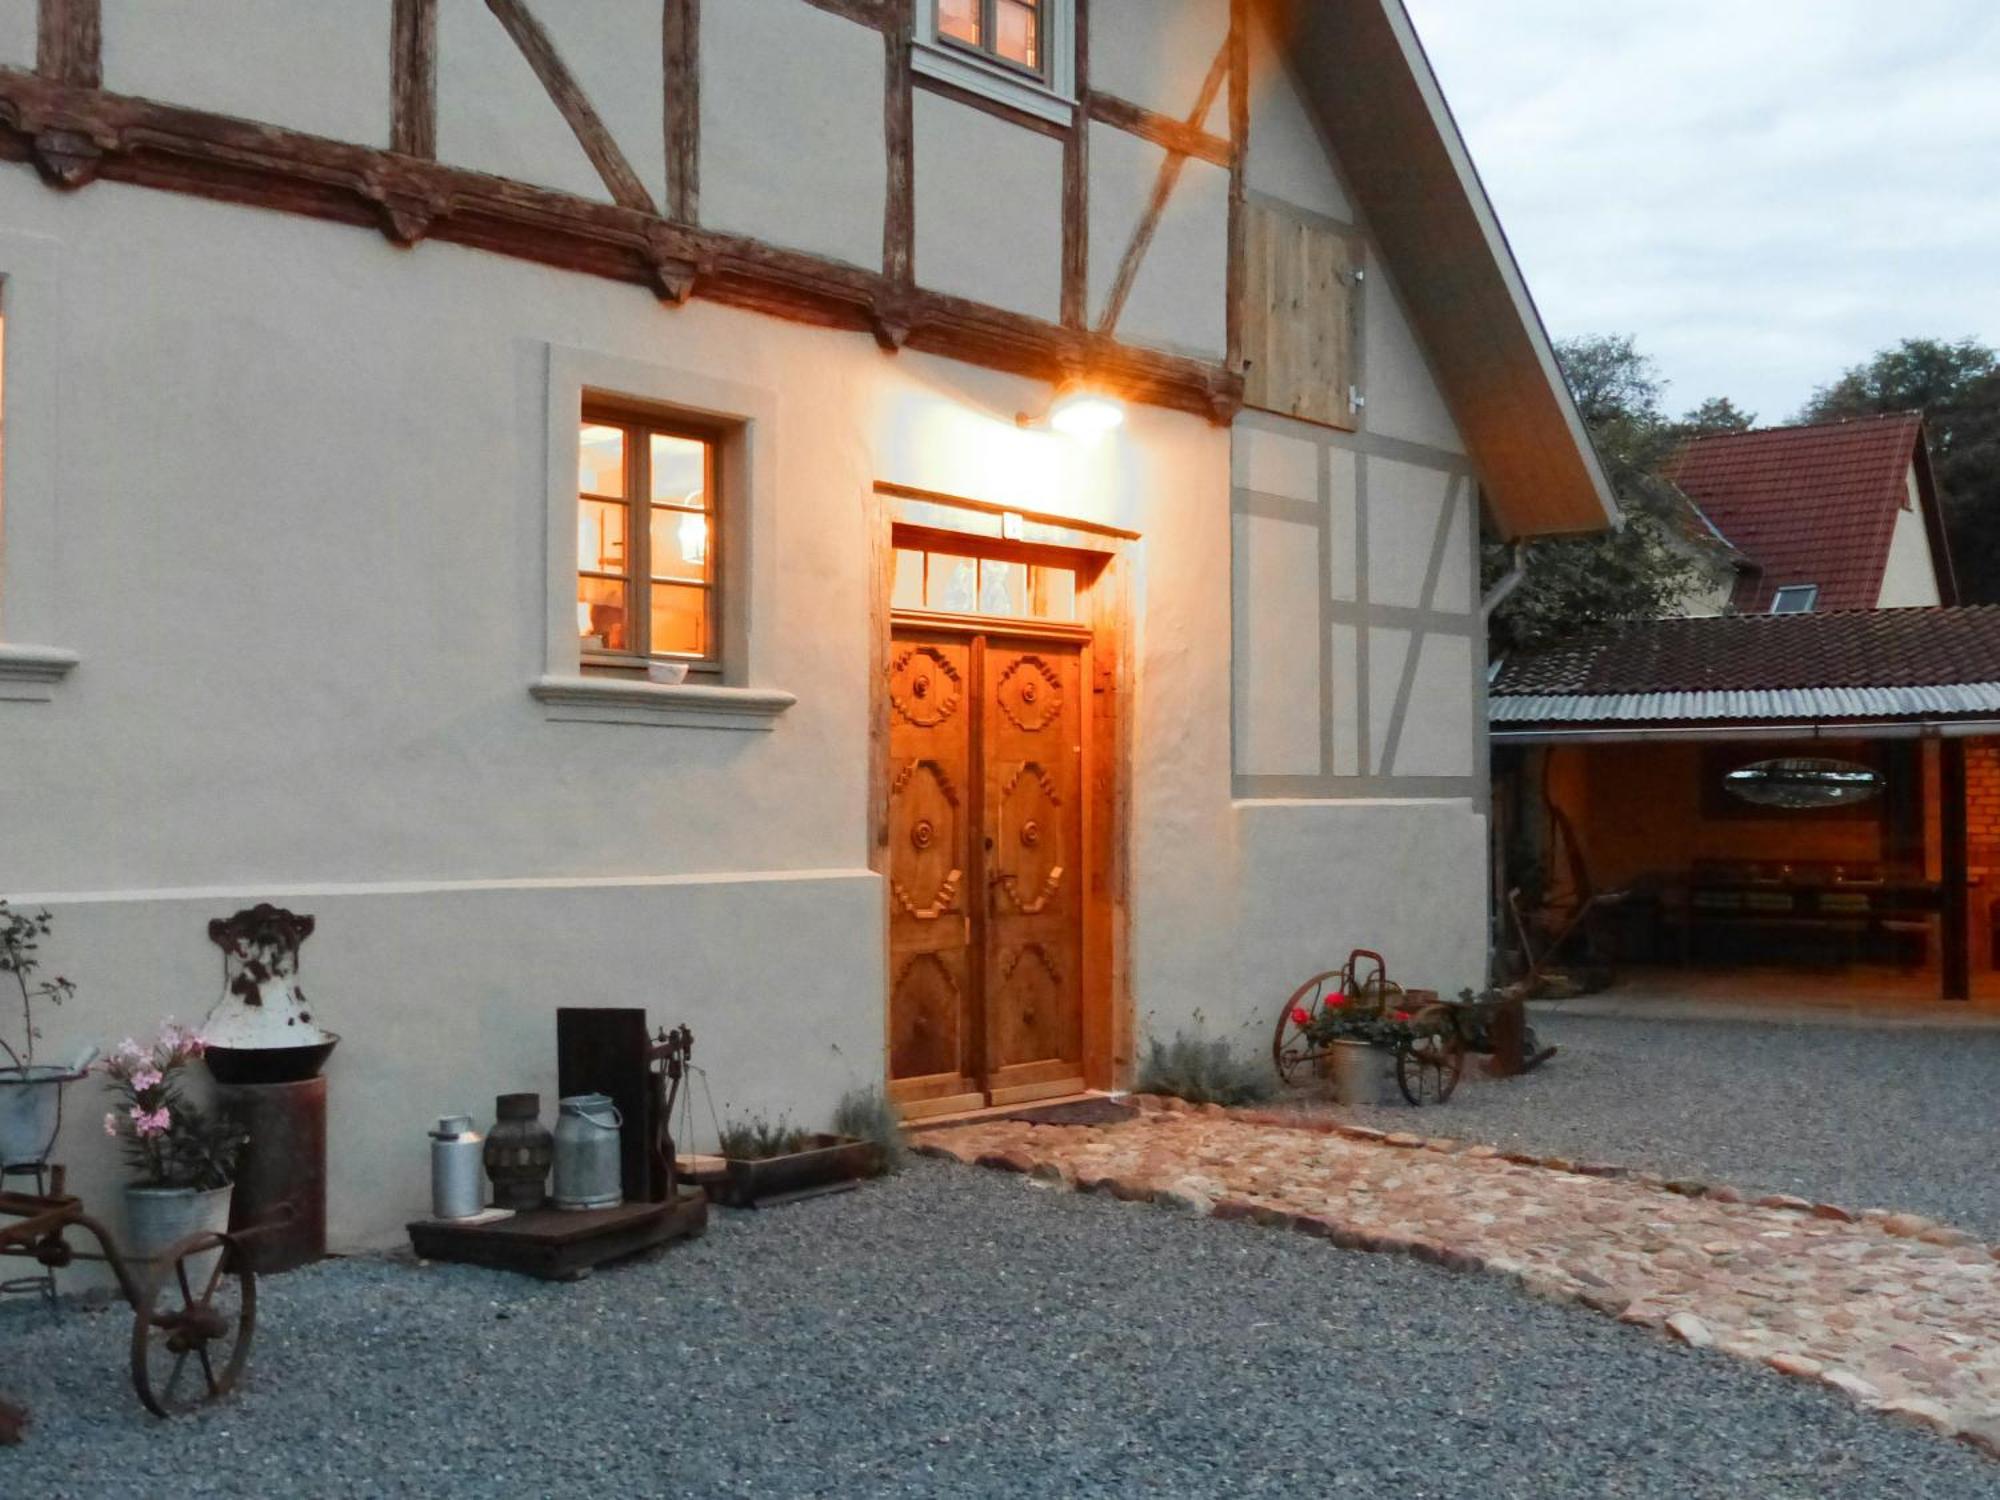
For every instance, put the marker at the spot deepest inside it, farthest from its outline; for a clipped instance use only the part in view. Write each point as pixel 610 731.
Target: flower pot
pixel 1358 1073
pixel 824 1163
pixel 158 1218
pixel 30 1112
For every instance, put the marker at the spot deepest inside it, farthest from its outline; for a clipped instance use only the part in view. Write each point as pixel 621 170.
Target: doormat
pixel 1076 1112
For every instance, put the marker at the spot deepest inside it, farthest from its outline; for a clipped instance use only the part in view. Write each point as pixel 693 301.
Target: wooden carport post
pixel 1955 936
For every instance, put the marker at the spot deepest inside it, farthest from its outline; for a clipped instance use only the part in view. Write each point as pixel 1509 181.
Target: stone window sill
pixel 29 674
pixel 609 700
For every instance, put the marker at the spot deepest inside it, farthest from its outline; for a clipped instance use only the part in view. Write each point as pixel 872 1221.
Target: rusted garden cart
pixel 1429 1037
pixel 192 1318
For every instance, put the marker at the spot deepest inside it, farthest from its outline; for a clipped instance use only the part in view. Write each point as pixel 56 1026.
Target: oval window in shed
pixel 1803 784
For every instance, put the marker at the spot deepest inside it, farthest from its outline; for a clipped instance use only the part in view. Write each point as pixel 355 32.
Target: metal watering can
pixel 587 1159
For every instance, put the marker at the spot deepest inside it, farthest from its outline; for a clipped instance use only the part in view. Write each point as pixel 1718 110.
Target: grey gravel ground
pixel 955 1333
pixel 1863 1116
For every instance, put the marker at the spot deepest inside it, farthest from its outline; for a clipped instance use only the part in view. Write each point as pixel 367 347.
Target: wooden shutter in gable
pixel 1300 317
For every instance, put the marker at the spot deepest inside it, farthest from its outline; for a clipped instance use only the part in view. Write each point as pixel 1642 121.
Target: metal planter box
pixel 829 1163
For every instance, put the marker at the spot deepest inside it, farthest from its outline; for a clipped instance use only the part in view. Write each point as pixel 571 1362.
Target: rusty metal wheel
pixel 192 1329
pixel 1428 1068
pixel 1292 1049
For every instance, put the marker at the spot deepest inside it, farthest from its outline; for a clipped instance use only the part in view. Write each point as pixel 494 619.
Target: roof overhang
pixel 1365 73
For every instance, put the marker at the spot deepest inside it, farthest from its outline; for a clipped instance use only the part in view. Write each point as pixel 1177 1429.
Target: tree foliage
pixel 1956 385
pixel 1650 562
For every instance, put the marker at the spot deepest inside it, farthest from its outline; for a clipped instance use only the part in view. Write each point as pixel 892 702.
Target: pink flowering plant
pixel 170 1142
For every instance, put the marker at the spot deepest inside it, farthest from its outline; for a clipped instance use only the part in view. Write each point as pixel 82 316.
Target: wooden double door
pixel 987 828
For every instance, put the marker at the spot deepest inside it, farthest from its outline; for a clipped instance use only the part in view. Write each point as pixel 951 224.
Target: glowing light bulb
pixel 1080 412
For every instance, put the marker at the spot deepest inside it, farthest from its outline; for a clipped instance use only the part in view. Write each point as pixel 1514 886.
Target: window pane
pixel 680 470
pixel 959 19
pixel 952 584
pixel 600 466
pixel 601 615
pixel 680 545
pixel 1003 587
pixel 600 536
pixel 1019 39
pixel 1054 594
pixel 680 620
pixel 908 592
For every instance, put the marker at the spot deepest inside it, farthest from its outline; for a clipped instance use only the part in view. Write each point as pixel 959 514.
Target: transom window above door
pixel 646 543
pixel 950 583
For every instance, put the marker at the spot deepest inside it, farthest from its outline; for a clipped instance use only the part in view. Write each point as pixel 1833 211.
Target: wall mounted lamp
pixel 1077 410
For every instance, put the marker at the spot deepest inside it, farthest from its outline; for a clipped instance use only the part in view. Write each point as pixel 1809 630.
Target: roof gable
pixel 1365 75
pixel 1815 504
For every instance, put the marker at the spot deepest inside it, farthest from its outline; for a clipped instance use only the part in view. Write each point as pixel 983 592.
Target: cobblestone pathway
pixel 1899 1312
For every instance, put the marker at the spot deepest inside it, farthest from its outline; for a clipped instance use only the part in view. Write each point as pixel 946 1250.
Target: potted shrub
pixel 182 1158
pixel 30 1092
pixel 765 1162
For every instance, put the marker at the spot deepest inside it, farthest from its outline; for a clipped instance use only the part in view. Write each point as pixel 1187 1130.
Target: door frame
pixel 1104 558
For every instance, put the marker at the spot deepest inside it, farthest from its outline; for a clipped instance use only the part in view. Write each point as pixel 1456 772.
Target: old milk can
pixel 587 1174
pixel 456 1192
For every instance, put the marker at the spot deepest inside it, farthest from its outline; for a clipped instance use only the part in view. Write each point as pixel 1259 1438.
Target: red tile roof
pixel 1741 653
pixel 1807 504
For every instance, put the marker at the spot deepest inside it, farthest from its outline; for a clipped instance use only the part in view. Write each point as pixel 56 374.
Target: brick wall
pixel 1982 802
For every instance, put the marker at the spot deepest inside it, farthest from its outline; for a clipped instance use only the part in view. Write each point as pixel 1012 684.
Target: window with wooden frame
pixel 948 581
pixel 1021 53
pixel 1302 287
pixel 647 540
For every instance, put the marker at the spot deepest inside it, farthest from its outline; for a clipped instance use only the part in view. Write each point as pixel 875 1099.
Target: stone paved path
pixel 1899 1312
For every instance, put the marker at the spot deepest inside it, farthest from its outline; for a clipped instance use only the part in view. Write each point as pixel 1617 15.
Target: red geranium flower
pixel 1301 1015
pixel 1336 998
pixel 1402 1015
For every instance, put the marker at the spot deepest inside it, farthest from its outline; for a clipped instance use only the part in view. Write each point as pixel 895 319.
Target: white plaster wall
pixel 1288 158
pixel 1910 576
pixel 493 115
pixel 1405 503
pixel 1277 692
pixel 988 207
pixel 791 128
pixel 18 19
pixel 1180 296
pixel 1404 400
pixel 301 554
pixel 1439 736
pixel 612 49
pixel 1158 55
pixel 323 69
pixel 1285 876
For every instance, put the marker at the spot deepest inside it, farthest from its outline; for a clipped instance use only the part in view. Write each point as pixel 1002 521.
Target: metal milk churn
pixel 455 1164
pixel 587 1165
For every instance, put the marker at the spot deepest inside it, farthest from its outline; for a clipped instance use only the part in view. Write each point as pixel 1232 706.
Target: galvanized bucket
pixel 587 1160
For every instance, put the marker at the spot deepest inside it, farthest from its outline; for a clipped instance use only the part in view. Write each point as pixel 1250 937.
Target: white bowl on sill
pixel 667 673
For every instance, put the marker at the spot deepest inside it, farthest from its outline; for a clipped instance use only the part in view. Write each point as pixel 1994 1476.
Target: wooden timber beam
pixel 1162 130
pixel 69 42
pixel 413 78
pixel 892 319
pixel 1239 155
pixel 1076 190
pixel 880 14
pixel 575 106
pixel 681 53
pixel 1163 189
pixel 207 155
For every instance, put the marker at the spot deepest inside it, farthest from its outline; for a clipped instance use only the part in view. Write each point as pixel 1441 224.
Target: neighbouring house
pixel 589 502
pixel 1812 778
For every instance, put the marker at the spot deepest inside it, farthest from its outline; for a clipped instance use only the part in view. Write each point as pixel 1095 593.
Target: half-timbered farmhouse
pixel 619 503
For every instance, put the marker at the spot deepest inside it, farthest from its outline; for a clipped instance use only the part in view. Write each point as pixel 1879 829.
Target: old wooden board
pixel 560 1246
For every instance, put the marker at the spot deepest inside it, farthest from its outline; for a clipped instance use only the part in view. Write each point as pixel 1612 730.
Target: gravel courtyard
pixel 954 1332
pixel 1904 1117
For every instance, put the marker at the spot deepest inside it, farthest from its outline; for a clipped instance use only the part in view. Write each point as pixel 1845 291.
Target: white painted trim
pixel 1054 100
pixel 746 509
pixel 30 523
pixel 611 700
pixel 29 674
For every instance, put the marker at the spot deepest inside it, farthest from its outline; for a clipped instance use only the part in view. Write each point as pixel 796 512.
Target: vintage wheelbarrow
pixel 1429 1037
pixel 193 1317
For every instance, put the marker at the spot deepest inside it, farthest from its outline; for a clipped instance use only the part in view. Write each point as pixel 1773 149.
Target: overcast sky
pixel 1764 192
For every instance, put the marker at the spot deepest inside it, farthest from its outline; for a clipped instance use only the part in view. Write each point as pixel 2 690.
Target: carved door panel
pixel 1033 708
pixel 933 1041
